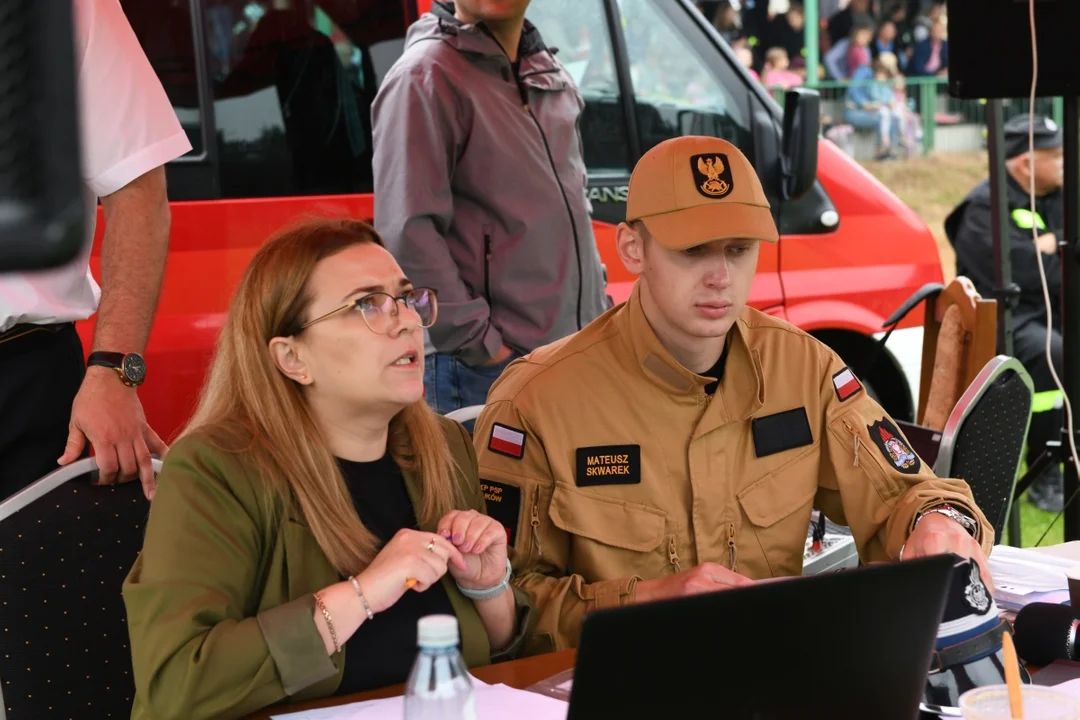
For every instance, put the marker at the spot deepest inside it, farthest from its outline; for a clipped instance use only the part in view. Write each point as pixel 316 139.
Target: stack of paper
pixel 493 702
pixel 1026 576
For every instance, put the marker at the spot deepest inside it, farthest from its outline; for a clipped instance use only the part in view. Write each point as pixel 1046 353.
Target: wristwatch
pixel 952 513
pixel 130 367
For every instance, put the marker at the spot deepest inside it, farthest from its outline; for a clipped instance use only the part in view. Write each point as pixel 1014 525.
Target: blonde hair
pixel 247 406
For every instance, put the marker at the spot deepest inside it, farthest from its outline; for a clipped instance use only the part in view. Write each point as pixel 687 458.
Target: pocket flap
pixel 772 498
pixel 607 520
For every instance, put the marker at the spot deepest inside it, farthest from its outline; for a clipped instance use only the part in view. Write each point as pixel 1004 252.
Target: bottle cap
pixel 437 631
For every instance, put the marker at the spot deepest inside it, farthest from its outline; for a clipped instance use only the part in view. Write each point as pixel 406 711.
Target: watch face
pixel 134 368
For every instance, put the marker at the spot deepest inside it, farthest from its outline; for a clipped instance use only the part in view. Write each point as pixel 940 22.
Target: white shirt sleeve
pixel 128 125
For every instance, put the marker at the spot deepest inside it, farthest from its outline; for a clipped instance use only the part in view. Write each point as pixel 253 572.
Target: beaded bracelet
pixel 329 622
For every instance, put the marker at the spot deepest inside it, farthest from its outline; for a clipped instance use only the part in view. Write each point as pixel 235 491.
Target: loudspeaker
pixel 41 203
pixel 990 48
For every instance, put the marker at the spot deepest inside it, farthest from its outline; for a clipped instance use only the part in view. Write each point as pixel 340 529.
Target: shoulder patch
pixel 508 441
pixel 503 504
pixel 846 385
pixel 893 446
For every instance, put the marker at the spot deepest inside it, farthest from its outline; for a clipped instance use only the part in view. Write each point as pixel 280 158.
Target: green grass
pixel 1033 523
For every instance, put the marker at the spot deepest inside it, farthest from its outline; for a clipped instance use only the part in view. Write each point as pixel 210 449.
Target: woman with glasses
pixel 314 508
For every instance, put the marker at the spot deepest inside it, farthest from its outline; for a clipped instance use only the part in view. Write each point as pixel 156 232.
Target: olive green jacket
pixel 219 602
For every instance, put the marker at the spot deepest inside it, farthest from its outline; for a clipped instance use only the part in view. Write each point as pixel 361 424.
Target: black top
pixel 382 651
pixel 716 371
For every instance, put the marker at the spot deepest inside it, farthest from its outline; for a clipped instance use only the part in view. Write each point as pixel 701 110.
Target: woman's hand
pixel 410 555
pixel 482 542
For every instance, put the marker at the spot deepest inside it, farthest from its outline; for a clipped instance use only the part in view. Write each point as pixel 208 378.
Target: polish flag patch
pixel 507 441
pixel 846 384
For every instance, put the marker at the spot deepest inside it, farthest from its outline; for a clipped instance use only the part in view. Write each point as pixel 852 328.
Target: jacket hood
pixel 441 24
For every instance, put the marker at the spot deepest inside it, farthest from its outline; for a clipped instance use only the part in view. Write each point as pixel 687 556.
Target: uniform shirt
pixel 609 463
pixel 127 128
pixel 382 651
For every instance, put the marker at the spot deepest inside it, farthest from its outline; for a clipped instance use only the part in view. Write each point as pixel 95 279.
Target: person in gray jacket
pixel 480 192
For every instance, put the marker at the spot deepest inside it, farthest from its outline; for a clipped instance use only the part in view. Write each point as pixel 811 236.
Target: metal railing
pixel 928 97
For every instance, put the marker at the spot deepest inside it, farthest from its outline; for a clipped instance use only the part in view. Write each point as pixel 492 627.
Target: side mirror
pixel 798 158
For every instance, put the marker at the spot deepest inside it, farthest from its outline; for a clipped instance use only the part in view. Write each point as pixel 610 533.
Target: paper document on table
pixel 493 702
pixel 1023 576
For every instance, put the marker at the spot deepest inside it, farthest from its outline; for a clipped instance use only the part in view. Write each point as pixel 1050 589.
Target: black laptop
pixel 852 644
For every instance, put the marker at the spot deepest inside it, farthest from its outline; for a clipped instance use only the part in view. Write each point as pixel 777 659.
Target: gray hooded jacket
pixel 480 188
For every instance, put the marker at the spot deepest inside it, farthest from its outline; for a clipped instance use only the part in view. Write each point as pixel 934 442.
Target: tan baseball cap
pixel 692 190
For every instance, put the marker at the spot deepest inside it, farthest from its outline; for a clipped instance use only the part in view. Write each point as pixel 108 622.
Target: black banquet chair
pixel 65 548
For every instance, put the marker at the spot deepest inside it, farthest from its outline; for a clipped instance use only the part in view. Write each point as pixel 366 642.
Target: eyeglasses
pixel 380 309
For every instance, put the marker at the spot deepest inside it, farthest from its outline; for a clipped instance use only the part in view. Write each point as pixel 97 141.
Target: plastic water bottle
pixel 439 687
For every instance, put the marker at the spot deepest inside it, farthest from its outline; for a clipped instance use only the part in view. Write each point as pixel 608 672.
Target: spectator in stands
pixel 858 53
pixel 842 23
pixel 839 61
pixel 787 31
pixel 310 486
pixel 48 396
pixel 931 56
pixel 924 22
pixel 485 205
pixel 777 73
pixel 908 123
pixel 886 41
pixel 869 106
pixel 725 18
pixel 746 57
pixel 968 228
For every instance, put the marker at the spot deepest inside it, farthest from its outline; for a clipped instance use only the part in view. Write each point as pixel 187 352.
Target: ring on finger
pixel 431 545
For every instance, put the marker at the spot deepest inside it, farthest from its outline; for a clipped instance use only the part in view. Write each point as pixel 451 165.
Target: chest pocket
pixel 778 507
pixel 611 538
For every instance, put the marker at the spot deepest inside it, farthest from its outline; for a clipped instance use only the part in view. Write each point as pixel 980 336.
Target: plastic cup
pixel 1040 703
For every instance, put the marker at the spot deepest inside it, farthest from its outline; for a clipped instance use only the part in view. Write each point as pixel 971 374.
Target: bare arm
pixel 133 251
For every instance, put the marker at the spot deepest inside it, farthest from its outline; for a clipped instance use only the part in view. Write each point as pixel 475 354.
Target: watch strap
pixel 106 359
pixel 963 519
pixel 491 592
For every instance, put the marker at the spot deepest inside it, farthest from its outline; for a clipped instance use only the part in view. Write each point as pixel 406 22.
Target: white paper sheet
pixel 1023 576
pixel 493 702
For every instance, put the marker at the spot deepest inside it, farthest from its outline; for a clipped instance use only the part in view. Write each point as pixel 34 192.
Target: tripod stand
pixel 1056 451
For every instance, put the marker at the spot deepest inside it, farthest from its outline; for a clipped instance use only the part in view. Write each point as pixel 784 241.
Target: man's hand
pixel 936 534
pixel 1047 244
pixel 706 577
pixel 504 352
pixel 110 416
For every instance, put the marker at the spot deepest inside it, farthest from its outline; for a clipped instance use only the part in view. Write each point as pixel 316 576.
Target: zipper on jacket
pixel 487 266
pixel 523 92
pixel 535 523
pixel 854 434
pixel 734 552
pixel 673 554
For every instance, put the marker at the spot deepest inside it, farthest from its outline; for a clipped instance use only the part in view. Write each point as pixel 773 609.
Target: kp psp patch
pixel 892 445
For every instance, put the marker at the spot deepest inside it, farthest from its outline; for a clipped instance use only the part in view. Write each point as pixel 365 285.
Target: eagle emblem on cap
pixel 712 175
pixel 712 168
pixel 975 593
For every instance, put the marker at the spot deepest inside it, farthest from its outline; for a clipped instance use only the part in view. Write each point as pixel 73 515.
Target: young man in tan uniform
pixel 680 441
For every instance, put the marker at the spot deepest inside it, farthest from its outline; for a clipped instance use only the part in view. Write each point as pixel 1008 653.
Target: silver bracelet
pixel 363 600
pixel 491 592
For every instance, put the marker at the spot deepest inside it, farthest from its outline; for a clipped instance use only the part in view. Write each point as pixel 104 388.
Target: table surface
pixel 518 674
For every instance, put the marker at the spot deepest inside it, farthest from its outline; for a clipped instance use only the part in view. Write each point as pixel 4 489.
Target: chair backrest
pixel 984 438
pixel 65 548
pixel 960 337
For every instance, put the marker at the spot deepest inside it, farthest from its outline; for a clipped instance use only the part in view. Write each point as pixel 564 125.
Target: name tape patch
pixel 504 504
pixel 507 441
pixel 846 385
pixel 608 465
pixel 782 431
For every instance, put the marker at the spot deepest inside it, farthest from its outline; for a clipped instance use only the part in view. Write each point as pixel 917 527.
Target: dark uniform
pixel 968 229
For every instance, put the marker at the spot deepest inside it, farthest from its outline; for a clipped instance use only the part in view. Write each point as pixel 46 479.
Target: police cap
pixel 1048 134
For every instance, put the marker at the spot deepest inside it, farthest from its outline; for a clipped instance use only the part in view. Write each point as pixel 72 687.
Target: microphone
pixel 1045 632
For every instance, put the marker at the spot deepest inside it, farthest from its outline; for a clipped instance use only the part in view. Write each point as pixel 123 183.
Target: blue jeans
pixel 884 122
pixel 450 384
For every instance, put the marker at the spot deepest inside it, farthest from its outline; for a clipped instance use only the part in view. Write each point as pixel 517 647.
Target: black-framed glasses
pixel 380 309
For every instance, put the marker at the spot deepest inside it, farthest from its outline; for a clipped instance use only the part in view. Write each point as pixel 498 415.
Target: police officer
pixel 968 228
pixel 680 441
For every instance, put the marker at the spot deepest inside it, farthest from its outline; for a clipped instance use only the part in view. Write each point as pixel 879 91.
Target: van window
pixel 164 30
pixel 676 91
pixel 293 82
pixel 579 30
